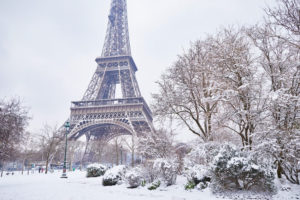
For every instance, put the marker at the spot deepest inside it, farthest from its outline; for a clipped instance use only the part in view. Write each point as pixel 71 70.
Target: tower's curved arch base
pixel 103 130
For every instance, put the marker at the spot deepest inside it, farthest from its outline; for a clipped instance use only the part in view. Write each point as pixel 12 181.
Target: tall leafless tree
pixel 50 142
pixel 13 121
pixel 278 42
pixel 188 91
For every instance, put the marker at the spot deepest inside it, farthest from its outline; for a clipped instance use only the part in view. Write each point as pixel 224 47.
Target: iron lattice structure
pixel 100 115
pixel 117 37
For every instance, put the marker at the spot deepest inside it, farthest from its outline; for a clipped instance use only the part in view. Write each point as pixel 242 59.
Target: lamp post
pixel 64 174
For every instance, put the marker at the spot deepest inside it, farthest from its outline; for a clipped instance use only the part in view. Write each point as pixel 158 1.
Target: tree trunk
pixel 47 161
pixel 132 153
pixel 85 150
pixel 132 158
pixel 23 165
pixel 279 169
pixel 117 153
pixel 70 164
pixel 2 168
pixel 237 183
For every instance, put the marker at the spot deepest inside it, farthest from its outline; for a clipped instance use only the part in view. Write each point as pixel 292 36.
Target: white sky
pixel 48 47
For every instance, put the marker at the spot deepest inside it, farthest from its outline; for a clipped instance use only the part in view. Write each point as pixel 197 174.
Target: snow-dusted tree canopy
pixel 243 81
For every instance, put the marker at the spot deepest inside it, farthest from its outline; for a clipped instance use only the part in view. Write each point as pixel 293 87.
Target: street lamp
pixel 64 174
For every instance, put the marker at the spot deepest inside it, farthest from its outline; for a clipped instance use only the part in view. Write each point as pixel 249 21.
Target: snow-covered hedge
pixel 95 170
pixel 165 170
pixel 114 175
pixel 134 177
pixel 198 175
pixel 154 185
pixel 233 169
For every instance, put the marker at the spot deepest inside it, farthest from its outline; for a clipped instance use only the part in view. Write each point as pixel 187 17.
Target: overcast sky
pixel 48 47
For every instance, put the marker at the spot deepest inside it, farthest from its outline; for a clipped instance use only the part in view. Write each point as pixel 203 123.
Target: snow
pixel 78 187
pixel 198 171
pixel 96 165
pixel 115 171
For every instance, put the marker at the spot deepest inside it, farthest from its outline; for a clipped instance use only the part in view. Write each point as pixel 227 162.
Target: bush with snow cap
pixel 114 175
pixel 134 177
pixel 95 170
pixel 154 185
pixel 198 174
pixel 165 170
pixel 233 169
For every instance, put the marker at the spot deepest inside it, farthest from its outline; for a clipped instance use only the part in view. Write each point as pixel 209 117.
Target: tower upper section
pixel 117 35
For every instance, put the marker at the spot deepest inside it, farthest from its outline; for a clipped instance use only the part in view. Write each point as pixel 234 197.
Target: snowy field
pixel 78 187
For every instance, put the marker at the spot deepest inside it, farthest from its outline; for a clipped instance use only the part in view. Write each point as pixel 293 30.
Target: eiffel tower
pixel 101 114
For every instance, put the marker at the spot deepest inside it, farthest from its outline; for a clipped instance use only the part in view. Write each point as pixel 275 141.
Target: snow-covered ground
pixel 78 187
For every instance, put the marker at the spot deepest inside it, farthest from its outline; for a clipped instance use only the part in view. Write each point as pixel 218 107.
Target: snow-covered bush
pixel 114 175
pixel 196 175
pixel 190 185
pixel 95 170
pixel 165 170
pixel 202 185
pixel 134 177
pixel 233 169
pixel 154 185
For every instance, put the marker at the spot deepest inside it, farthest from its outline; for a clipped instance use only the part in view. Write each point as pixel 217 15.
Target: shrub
pixel 154 185
pixel 134 178
pixel 233 169
pixel 190 185
pixel 143 183
pixel 114 175
pixel 165 171
pixel 95 170
pixel 198 174
pixel 202 185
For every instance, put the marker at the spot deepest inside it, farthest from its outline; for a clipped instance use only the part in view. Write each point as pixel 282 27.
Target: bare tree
pixel 214 86
pixel 28 148
pixel 13 121
pixel 50 141
pixel 157 144
pixel 286 17
pixel 98 149
pixel 188 91
pixel 132 146
pixel 242 92
pixel 84 153
pixel 117 142
pixel 74 147
pixel 279 46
